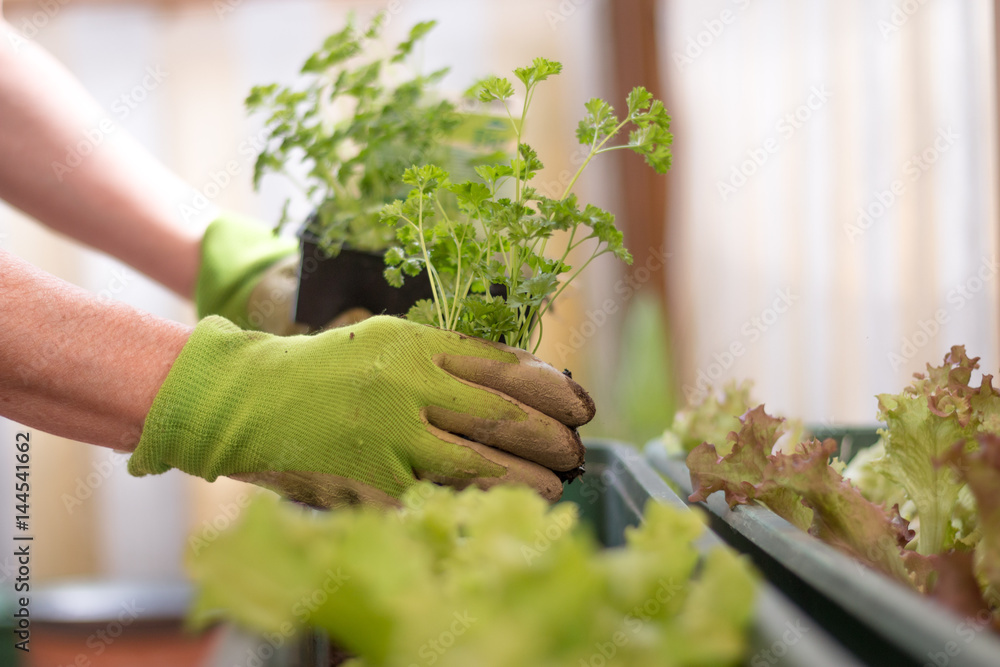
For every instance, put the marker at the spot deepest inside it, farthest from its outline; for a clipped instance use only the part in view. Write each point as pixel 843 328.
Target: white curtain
pixel 835 199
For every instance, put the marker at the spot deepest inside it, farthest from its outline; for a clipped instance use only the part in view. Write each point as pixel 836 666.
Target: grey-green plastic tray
pixel 851 439
pixel 612 494
pixel 881 621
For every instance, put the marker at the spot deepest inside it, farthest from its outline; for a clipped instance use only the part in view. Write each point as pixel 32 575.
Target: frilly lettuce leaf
pixel 938 459
pixel 938 410
pixel 980 469
pixel 863 472
pixel 490 579
pixel 803 488
pixel 710 419
pixel 743 470
pixel 717 414
pixel 842 517
pixel 953 584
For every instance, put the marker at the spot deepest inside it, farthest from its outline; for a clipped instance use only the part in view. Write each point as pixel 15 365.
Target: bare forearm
pixel 75 365
pixel 116 198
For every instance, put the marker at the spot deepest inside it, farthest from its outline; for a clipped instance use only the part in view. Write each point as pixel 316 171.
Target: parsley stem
pixel 615 148
pixel 567 282
pixel 431 272
pixel 594 150
pixel 539 325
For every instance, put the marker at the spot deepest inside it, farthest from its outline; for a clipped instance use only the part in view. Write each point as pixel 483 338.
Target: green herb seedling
pixel 354 165
pixel 496 243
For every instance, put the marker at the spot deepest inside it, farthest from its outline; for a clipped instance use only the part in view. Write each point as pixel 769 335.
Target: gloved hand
pixel 360 413
pixel 248 275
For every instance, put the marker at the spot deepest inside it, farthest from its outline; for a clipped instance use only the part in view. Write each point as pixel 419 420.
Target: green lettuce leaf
pixel 980 469
pixel 486 578
pixel 709 420
pixel 938 410
pixel 864 472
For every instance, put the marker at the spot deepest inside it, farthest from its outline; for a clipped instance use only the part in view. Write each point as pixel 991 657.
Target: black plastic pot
pixel 878 619
pixel 331 286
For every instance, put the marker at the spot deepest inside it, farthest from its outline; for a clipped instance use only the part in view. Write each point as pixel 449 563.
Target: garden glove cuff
pixel 362 412
pixel 248 275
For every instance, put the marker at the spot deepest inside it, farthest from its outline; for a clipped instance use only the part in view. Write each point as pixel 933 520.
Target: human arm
pixel 353 414
pixel 119 199
pixel 76 365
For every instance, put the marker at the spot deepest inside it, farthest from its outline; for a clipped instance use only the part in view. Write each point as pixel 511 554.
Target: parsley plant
pixel 354 164
pixel 486 262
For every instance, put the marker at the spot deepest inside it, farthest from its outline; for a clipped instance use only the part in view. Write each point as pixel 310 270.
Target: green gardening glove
pixel 362 412
pixel 248 275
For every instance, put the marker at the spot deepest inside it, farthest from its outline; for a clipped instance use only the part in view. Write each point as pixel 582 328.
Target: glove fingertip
pixel 529 380
pixel 583 411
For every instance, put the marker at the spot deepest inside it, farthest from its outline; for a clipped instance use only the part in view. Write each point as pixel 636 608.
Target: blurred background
pixel 828 227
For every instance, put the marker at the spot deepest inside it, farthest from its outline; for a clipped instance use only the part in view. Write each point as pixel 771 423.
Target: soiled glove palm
pixel 362 412
pixel 248 275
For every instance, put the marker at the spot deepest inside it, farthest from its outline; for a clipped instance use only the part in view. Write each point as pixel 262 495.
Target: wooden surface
pixel 643 216
pixel 134 647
